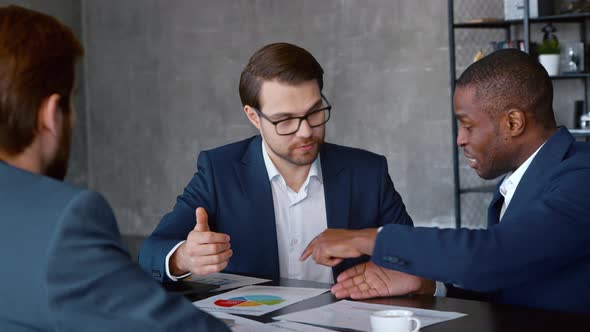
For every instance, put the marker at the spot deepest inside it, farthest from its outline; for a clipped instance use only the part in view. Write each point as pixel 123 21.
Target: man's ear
pixel 515 122
pixel 50 115
pixel 252 116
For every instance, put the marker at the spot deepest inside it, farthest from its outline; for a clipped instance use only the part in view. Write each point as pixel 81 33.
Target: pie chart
pixel 249 301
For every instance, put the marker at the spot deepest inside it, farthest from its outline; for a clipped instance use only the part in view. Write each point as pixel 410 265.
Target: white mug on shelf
pixel 394 321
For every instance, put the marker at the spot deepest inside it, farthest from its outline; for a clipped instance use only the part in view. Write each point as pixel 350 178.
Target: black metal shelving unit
pixel 506 25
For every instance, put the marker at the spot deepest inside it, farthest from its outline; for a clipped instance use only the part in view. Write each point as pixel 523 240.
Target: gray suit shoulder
pixel 51 196
pixel 69 196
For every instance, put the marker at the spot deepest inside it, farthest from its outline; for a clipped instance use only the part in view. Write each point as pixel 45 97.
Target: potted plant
pixel 549 50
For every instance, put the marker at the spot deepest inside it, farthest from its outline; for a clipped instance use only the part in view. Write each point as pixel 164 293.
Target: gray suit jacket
pixel 63 267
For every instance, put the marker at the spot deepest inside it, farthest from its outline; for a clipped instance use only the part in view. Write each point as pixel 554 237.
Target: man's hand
pixel 333 245
pixel 203 252
pixel 369 280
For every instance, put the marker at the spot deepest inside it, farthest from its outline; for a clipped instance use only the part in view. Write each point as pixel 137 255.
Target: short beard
pixel 297 162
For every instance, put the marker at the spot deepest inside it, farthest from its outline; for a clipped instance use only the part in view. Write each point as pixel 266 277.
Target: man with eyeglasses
pixel 271 194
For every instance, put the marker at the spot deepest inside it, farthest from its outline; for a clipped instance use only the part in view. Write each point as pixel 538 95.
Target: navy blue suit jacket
pixel 64 267
pixel 539 255
pixel 232 184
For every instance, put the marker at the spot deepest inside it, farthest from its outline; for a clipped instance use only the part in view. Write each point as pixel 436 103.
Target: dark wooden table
pixel 481 316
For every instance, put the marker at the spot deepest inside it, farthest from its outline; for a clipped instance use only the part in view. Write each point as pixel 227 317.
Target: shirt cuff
pixel 441 289
pixel 176 278
pixel 379 229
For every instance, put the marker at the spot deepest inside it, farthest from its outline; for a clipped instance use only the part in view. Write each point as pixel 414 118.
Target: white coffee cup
pixel 393 321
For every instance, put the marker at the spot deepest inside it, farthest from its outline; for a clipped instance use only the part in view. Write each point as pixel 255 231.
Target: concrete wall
pixel 162 85
pixel 69 12
pixel 159 84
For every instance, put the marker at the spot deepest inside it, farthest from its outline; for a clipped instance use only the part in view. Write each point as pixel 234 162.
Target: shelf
pixel 483 25
pixel 580 132
pixel 563 18
pixel 504 24
pixel 570 76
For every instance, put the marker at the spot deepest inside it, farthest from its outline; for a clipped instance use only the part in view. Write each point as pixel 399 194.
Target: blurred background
pixel 159 83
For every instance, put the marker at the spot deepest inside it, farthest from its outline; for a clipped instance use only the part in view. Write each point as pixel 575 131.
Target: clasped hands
pixel 365 280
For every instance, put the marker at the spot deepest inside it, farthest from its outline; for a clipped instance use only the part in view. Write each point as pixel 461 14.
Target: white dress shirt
pixel 174 278
pixel 299 217
pixel 507 189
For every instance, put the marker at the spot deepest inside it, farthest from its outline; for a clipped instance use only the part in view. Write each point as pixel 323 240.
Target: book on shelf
pixel 502 44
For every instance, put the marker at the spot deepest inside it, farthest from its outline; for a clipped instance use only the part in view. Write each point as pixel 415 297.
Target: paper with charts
pixel 355 315
pixel 241 324
pixel 257 300
pixel 226 281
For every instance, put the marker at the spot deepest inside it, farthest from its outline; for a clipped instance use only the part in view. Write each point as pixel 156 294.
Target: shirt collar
pixel 314 171
pixel 508 186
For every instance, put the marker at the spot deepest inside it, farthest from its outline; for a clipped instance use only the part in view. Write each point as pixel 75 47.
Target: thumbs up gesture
pixel 202 224
pixel 203 252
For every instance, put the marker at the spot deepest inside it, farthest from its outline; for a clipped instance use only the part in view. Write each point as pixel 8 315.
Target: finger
pixel 208 249
pixel 328 252
pixel 341 293
pixel 361 290
pixel 351 273
pixel 323 257
pixel 308 251
pixel 344 291
pixel 202 224
pixel 213 259
pixel 198 238
pixel 336 261
pixel 335 288
pixel 207 269
pixel 352 282
pixel 366 294
pixel 339 290
pixel 328 261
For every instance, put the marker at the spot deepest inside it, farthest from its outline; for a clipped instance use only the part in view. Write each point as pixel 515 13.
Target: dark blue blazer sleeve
pixel 93 285
pixel 539 239
pixel 175 226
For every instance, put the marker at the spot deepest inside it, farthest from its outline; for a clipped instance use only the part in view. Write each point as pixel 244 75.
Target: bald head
pixel 511 79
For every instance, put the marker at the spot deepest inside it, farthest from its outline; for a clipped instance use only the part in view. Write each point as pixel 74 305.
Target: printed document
pixel 257 300
pixel 355 315
pixel 226 281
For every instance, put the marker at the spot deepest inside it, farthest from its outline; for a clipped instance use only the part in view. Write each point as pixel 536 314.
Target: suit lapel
pixel 493 209
pixel 337 184
pixel 533 180
pixel 255 185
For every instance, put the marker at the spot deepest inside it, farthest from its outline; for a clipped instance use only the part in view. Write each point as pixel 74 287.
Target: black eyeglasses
pixel 291 125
